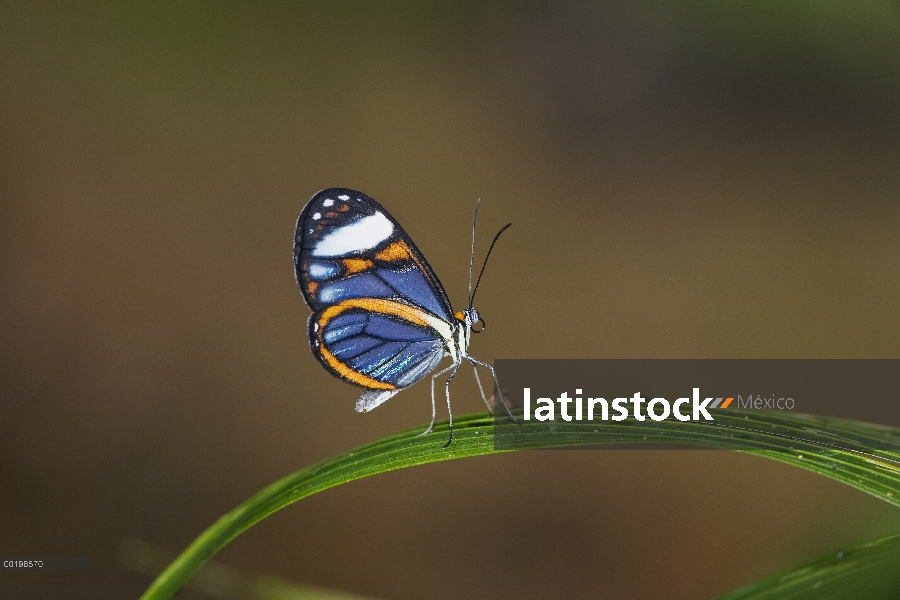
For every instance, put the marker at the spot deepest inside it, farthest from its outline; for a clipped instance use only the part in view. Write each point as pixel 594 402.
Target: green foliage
pixel 222 581
pixel 867 570
pixel 838 449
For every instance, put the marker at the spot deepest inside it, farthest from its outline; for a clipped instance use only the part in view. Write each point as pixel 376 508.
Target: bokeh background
pixel 687 179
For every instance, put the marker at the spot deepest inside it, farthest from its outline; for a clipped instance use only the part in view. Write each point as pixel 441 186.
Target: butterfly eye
pixel 480 329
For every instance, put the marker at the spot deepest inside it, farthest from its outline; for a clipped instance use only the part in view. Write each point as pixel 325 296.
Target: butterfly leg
pixel 455 367
pixel 433 411
pixel 474 362
pixel 481 389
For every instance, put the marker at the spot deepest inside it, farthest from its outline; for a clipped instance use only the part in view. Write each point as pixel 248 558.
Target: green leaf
pixel 222 581
pixel 868 570
pixel 839 449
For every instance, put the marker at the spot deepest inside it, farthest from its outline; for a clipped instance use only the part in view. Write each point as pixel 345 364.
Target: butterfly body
pixel 381 319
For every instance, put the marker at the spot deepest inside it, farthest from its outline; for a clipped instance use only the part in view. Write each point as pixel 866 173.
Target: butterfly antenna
pixel 505 227
pixel 472 256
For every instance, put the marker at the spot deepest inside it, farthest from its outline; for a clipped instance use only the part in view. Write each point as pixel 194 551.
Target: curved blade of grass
pixel 219 580
pixel 866 570
pixel 836 448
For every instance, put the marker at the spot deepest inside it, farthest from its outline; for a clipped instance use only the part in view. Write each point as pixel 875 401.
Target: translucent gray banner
pixel 629 396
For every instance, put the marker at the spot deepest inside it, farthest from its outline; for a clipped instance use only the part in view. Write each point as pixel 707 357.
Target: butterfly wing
pixel 381 318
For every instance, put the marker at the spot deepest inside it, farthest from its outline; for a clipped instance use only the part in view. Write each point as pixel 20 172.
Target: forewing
pixel 347 246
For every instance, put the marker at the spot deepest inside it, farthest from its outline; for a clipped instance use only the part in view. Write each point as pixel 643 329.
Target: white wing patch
pixel 362 234
pixel 372 398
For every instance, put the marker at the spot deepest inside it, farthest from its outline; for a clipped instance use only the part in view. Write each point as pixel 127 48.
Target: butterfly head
pixel 469 318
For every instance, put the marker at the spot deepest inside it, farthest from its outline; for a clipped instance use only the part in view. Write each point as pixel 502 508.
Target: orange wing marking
pixel 379 305
pixel 395 252
pixel 399 251
pixel 355 265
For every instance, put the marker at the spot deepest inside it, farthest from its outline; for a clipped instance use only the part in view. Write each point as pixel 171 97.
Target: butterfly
pixel 381 319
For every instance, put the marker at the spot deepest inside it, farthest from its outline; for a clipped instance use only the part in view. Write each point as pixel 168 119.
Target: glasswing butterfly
pixel 381 319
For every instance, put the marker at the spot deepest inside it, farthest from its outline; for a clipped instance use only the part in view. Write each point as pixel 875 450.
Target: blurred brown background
pixel 689 180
